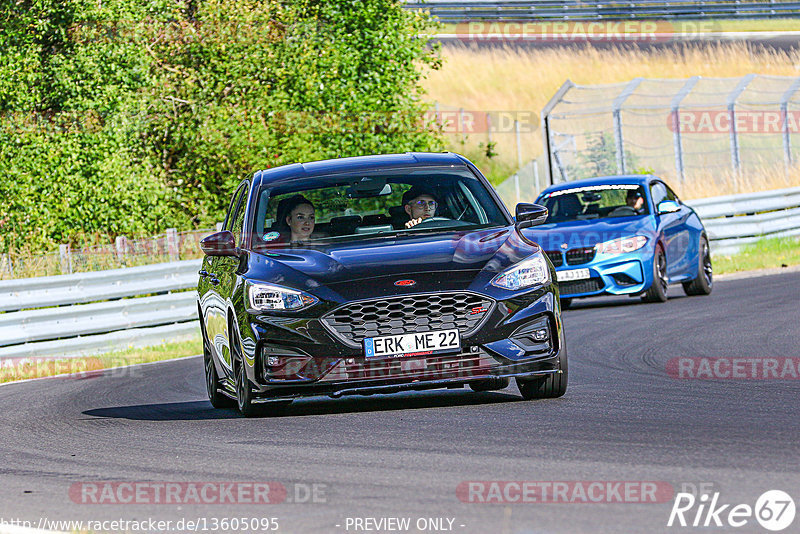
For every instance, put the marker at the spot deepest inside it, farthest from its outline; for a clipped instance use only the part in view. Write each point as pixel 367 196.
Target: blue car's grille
pixel 576 287
pixel 579 256
pixel 406 315
pixel 555 257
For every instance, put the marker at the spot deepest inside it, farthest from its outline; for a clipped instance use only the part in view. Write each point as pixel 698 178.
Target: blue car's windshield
pixel 595 202
pixel 352 206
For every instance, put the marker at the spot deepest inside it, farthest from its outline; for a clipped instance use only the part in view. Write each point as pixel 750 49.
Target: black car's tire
pixel 566 303
pixel 490 384
pixel 546 387
pixel 704 282
pixel 244 393
pixel 658 289
pixel 217 399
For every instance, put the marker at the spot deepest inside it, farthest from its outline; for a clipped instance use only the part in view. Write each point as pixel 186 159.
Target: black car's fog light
pixel 282 363
pixel 534 336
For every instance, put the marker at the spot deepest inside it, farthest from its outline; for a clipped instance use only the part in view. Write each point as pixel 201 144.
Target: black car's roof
pixel 375 162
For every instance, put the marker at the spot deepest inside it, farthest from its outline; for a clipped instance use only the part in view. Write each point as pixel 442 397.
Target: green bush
pixel 130 116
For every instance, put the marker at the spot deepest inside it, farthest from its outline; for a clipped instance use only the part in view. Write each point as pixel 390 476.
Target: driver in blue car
pixel 420 204
pixel 635 200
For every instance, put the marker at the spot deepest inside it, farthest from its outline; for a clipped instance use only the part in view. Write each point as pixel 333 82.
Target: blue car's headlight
pixel 530 272
pixel 268 297
pixel 622 245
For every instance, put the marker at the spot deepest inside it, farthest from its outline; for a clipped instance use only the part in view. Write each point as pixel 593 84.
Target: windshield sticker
pixel 271 236
pixel 592 188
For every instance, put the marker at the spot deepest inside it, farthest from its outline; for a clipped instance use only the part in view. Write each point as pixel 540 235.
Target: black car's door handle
pixel 214 281
pixel 203 273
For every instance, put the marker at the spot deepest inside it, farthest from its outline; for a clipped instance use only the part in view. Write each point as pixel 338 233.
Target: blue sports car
pixel 623 235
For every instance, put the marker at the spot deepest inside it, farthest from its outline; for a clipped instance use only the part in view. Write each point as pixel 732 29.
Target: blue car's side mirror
pixel 668 206
pixel 530 215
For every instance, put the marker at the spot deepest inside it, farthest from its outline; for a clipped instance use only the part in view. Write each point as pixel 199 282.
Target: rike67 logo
pixel 774 510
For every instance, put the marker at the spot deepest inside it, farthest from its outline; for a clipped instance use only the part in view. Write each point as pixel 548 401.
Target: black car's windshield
pixel 346 207
pixel 595 202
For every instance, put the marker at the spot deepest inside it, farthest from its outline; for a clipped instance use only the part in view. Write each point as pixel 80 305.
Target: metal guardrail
pixel 736 220
pixel 576 10
pixel 77 314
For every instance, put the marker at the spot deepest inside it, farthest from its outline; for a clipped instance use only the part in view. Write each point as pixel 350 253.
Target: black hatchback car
pixel 376 274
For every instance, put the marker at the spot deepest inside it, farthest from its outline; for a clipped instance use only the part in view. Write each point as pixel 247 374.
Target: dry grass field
pixel 523 79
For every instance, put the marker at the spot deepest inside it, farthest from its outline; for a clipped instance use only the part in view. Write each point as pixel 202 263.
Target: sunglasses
pixel 422 204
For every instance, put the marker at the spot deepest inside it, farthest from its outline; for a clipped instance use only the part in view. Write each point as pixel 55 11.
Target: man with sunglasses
pixel 420 204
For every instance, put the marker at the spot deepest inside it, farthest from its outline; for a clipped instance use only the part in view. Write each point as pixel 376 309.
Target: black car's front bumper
pixel 293 357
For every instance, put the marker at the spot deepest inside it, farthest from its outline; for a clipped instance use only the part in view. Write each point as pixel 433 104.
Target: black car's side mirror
pixel 530 215
pixel 219 244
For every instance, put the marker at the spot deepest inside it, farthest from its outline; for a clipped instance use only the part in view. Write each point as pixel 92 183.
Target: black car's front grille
pixel 579 256
pixel 555 257
pixel 407 315
pixel 574 287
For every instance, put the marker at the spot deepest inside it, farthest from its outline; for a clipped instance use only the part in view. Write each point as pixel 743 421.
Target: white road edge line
pixel 66 375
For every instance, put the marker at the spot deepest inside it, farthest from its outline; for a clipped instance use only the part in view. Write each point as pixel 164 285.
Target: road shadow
pixel 615 302
pixel 202 410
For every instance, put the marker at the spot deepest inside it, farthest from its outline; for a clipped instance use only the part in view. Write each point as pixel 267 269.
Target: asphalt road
pixel 624 418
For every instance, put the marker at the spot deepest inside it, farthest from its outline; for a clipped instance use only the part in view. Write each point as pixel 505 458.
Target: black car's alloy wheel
pixel 218 400
pixel 705 273
pixel 244 392
pixel 658 289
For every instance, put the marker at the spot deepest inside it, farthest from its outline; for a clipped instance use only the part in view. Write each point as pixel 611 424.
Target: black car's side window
pixel 238 216
pixel 229 218
pixel 659 193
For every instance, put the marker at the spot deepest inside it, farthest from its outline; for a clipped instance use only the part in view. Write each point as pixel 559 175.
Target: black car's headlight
pixel 532 271
pixel 263 297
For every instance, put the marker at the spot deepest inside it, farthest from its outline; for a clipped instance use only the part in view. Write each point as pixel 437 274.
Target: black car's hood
pixel 452 260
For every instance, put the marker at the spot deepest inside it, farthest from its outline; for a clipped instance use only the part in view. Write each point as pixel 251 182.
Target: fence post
pixel 65 254
pixel 488 130
pixel 6 266
pixel 121 244
pixel 537 186
pixel 735 159
pixel 787 141
pixel 677 140
pixel 519 146
pixel 616 109
pixel 172 244
pixel 549 153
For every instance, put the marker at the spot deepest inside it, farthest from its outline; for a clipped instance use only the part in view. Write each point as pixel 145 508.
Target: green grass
pixel 86 365
pixel 764 254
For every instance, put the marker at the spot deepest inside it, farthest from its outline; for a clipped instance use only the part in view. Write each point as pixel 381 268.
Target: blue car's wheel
pixel 658 289
pixel 705 274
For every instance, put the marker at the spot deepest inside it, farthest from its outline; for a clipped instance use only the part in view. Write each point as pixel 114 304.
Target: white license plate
pixel 572 274
pixel 435 342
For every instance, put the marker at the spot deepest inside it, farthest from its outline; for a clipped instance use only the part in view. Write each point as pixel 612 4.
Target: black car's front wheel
pixel 217 399
pixel 244 393
pixel 549 386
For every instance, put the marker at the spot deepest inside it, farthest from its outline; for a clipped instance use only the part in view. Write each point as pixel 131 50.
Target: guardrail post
pixel 65 255
pixel 172 244
pixel 219 226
